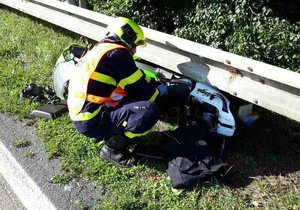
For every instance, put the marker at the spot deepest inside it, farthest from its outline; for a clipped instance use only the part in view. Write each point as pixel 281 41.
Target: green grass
pixel 29 154
pixel 29 49
pixel 19 143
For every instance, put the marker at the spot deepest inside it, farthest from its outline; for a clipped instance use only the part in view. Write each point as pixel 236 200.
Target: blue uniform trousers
pixel 135 117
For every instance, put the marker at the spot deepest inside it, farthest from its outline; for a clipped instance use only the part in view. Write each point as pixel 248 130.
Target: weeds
pixel 19 143
pixel 29 154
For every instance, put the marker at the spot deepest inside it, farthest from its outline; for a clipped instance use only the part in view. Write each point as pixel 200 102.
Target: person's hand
pixel 162 90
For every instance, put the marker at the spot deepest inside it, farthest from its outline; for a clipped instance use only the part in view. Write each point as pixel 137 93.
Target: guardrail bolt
pixel 227 62
pixel 250 68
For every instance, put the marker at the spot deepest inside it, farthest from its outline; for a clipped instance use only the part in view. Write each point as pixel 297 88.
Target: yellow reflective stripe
pixel 94 56
pixel 147 78
pixel 155 94
pixel 125 123
pixel 131 79
pixel 95 99
pixel 85 116
pixel 103 78
pixel 133 135
pixel 80 95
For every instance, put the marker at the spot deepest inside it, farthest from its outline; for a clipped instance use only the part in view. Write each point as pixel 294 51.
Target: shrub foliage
pixel 260 29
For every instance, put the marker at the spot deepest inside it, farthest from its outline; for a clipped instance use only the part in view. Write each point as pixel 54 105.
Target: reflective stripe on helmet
pixel 128 31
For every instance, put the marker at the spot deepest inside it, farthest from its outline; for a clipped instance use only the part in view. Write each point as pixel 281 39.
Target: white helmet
pixel 65 66
pixel 61 76
pixel 217 113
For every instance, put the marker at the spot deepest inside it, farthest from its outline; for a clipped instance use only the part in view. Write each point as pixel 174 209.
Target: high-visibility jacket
pixel 98 83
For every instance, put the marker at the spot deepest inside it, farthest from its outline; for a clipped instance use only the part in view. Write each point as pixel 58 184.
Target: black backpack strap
pixel 76 51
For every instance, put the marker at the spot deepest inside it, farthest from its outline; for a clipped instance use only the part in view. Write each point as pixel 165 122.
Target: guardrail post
pixel 82 3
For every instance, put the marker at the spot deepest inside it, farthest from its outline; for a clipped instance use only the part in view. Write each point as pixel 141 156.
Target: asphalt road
pixel 8 199
pixel 27 181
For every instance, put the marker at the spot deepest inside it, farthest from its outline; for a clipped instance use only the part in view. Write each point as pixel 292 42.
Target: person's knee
pixel 152 113
pixel 154 109
pixel 143 117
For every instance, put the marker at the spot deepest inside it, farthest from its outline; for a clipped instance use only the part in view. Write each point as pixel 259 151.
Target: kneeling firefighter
pixel 110 97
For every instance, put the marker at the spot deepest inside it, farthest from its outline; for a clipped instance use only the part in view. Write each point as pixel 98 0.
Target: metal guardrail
pixel 268 86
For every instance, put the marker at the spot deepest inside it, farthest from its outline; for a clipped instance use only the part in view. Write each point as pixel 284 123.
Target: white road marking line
pixel 24 187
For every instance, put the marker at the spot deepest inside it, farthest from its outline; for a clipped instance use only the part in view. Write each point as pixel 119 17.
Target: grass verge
pixel 265 174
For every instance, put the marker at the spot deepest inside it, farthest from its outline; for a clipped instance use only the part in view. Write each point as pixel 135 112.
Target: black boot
pixel 115 151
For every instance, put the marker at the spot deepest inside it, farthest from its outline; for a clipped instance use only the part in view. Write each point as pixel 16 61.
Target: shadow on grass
pixel 269 147
pixel 155 164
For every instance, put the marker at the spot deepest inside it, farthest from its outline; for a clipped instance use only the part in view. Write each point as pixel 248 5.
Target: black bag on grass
pixel 185 172
pixel 192 154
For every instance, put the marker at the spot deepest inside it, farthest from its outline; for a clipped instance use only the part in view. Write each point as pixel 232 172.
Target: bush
pixel 209 23
pixel 156 14
pixel 258 34
pixel 250 28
